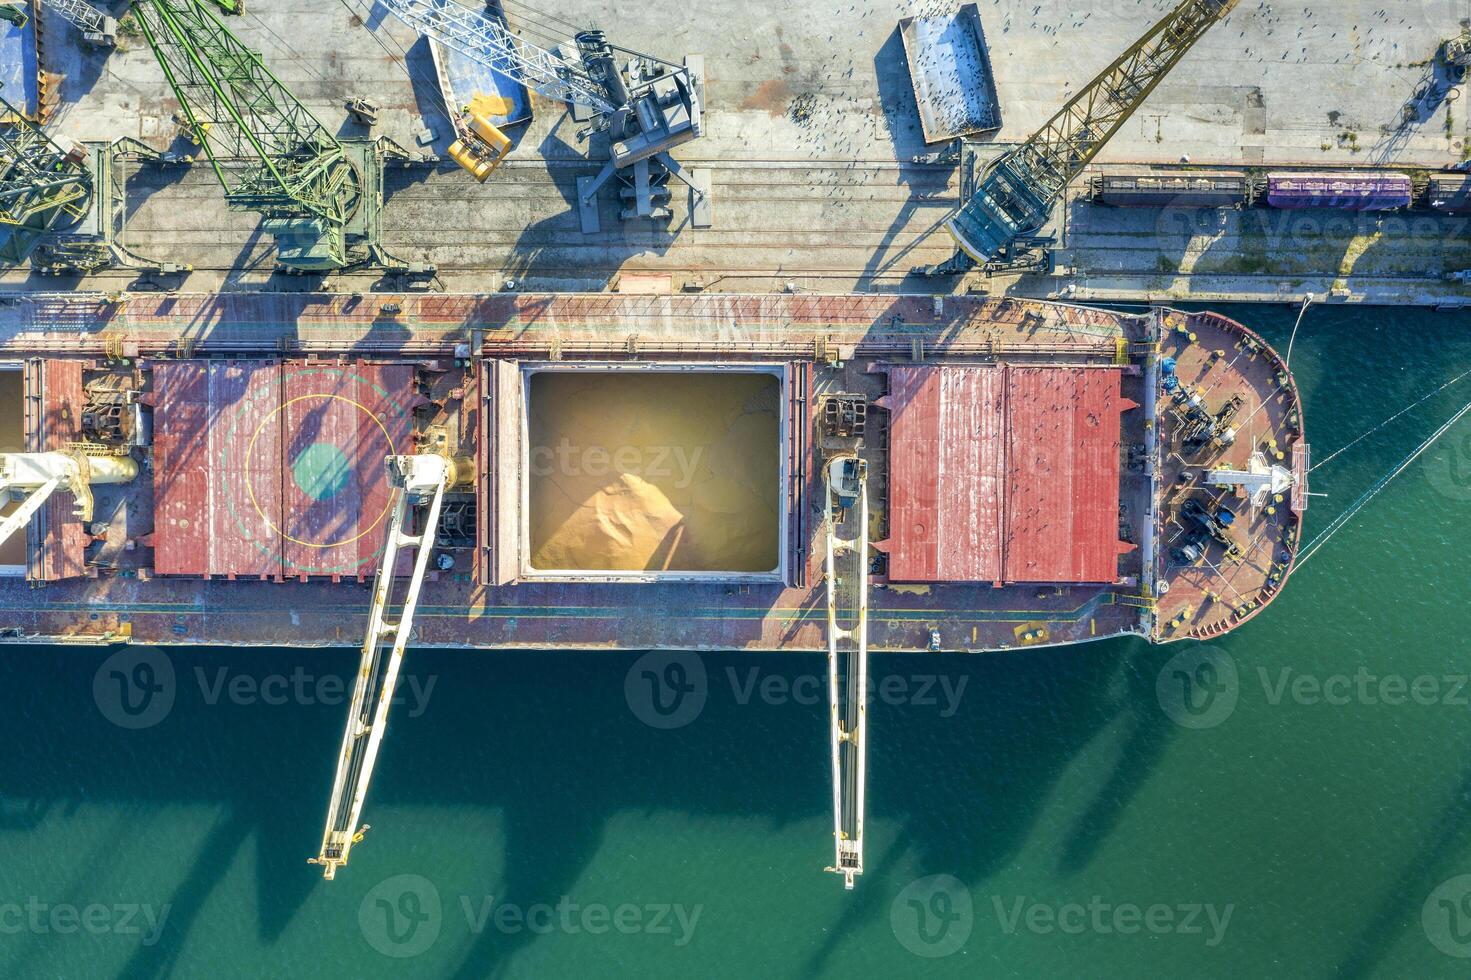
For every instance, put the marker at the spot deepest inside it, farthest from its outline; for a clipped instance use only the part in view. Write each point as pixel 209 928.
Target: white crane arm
pixel 484 40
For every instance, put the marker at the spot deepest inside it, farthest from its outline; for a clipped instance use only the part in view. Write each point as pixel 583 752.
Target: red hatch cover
pixel 269 468
pixel 1004 474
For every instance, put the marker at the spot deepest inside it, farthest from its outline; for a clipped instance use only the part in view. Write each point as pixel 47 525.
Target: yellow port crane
pixel 1002 212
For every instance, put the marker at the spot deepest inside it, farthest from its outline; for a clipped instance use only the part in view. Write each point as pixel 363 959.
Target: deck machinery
pixel 1004 209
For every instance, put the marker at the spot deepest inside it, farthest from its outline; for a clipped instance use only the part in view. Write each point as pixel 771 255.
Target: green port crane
pixel 41 185
pixel 1002 212
pixel 320 198
pixel 63 208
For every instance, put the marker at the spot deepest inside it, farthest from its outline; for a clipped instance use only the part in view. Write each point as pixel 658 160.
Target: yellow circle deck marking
pixel 250 454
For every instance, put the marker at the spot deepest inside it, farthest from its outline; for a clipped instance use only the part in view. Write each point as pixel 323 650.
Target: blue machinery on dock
pixel 645 105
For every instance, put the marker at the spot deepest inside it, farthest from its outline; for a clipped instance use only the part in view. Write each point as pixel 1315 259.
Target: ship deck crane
pixel 422 478
pixel 645 105
pixel 845 527
pixel 321 198
pixel 32 478
pixel 1002 211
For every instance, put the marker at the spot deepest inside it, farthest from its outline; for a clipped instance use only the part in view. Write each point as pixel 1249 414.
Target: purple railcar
pixel 1345 191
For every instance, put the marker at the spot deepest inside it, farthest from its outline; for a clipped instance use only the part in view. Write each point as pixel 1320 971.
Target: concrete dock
pixel 810 134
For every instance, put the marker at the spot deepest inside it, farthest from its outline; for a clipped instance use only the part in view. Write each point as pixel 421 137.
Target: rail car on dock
pixel 1449 193
pixel 1194 189
pixel 1357 190
pixel 1370 191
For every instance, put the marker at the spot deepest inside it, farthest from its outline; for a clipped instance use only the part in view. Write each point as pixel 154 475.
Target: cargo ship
pixel 644 471
pixel 638 471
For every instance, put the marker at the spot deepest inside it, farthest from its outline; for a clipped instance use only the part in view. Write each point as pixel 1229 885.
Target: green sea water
pixel 1040 814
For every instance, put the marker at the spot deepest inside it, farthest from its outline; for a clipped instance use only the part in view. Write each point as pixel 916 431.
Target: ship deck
pixel 143 579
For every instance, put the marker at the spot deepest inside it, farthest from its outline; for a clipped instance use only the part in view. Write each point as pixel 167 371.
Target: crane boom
pixel 1015 195
pixel 297 174
pixel 97 29
pixel 845 533
pixel 423 477
pixel 486 41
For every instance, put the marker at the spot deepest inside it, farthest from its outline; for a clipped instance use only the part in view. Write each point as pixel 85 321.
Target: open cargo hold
pixel 629 471
pixel 12 440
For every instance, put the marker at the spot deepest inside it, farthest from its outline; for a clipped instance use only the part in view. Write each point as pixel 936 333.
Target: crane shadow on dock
pixel 1434 87
pixel 542 247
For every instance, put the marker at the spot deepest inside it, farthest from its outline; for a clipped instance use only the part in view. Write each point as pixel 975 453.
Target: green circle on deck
pixel 321 471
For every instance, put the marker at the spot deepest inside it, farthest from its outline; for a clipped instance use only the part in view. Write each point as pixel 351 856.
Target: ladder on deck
pixel 845 529
pixel 412 478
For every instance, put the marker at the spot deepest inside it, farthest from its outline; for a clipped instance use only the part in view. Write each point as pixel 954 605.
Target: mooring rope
pixel 1342 519
pixel 1396 415
pixel 1287 362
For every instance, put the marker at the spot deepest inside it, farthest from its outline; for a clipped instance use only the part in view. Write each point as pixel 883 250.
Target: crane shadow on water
pixel 557 762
